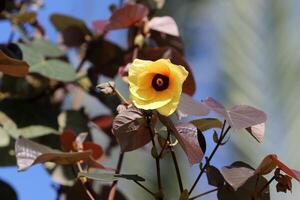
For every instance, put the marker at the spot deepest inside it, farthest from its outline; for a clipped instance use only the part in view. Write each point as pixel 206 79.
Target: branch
pixel 203 194
pixel 146 189
pixel 112 192
pixel 176 168
pixel 223 134
pixel 152 132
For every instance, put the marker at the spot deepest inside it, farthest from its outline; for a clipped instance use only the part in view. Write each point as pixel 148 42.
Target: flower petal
pixel 160 66
pixel 136 68
pixel 170 108
pixel 179 72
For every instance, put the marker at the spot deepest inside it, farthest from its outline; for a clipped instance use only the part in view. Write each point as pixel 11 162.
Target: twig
pixel 165 145
pixel 177 169
pixel 84 182
pixel 266 185
pixel 80 65
pixel 146 189
pixel 121 97
pixel 114 184
pixel 203 194
pixel 152 132
pixel 223 134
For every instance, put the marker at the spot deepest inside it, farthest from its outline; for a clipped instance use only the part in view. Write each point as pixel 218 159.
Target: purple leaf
pixel 29 153
pixel 236 176
pixel 241 117
pixel 257 131
pixel 189 106
pixel 165 25
pixel 130 129
pixel 187 136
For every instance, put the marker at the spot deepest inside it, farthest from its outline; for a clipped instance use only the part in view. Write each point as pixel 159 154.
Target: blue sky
pixel 27 183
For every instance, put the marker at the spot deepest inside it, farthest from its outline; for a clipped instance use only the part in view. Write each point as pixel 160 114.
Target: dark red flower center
pixel 160 82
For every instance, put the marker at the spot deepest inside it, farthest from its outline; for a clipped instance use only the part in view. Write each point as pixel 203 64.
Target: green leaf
pixel 62 22
pixel 111 177
pixel 31 55
pixel 55 69
pixel 46 48
pixel 207 123
pixel 4 138
pixel 10 128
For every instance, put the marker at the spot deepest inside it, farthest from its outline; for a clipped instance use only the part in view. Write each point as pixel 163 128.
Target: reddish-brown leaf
pixel 66 140
pixel 241 117
pixel 257 131
pixel 270 162
pixel 95 148
pixel 165 24
pixel 73 36
pixel 214 176
pixel 12 67
pixel 99 26
pixel 104 122
pixel 236 176
pixel 29 153
pixel 127 16
pixel 130 129
pixel 189 106
pixel 187 136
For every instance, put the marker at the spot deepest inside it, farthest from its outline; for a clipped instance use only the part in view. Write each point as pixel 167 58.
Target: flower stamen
pixel 160 82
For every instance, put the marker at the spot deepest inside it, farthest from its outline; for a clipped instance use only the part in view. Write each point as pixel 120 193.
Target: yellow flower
pixel 156 85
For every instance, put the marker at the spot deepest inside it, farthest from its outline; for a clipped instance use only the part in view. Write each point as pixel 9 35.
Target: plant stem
pixel 146 189
pixel 266 185
pixel 121 97
pixel 223 134
pixel 84 183
pixel 165 145
pixel 152 132
pixel 177 169
pixel 203 194
pixel 80 65
pixel 114 184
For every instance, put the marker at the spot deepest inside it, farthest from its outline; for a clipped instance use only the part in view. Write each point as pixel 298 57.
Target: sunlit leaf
pixel 270 162
pixel 246 191
pixel 205 124
pixel 165 24
pixel 187 136
pixel 99 26
pixel 189 106
pixel 129 129
pixel 32 131
pixel 127 16
pixel 31 55
pixel 29 153
pixel 46 48
pixel 4 138
pixel 257 131
pixel 27 17
pixel 12 67
pixel 62 22
pixel 236 176
pixel 240 116
pixel 55 69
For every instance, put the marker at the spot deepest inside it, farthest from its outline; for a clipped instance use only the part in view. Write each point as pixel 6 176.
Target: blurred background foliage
pixel 246 52
pixel 242 52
